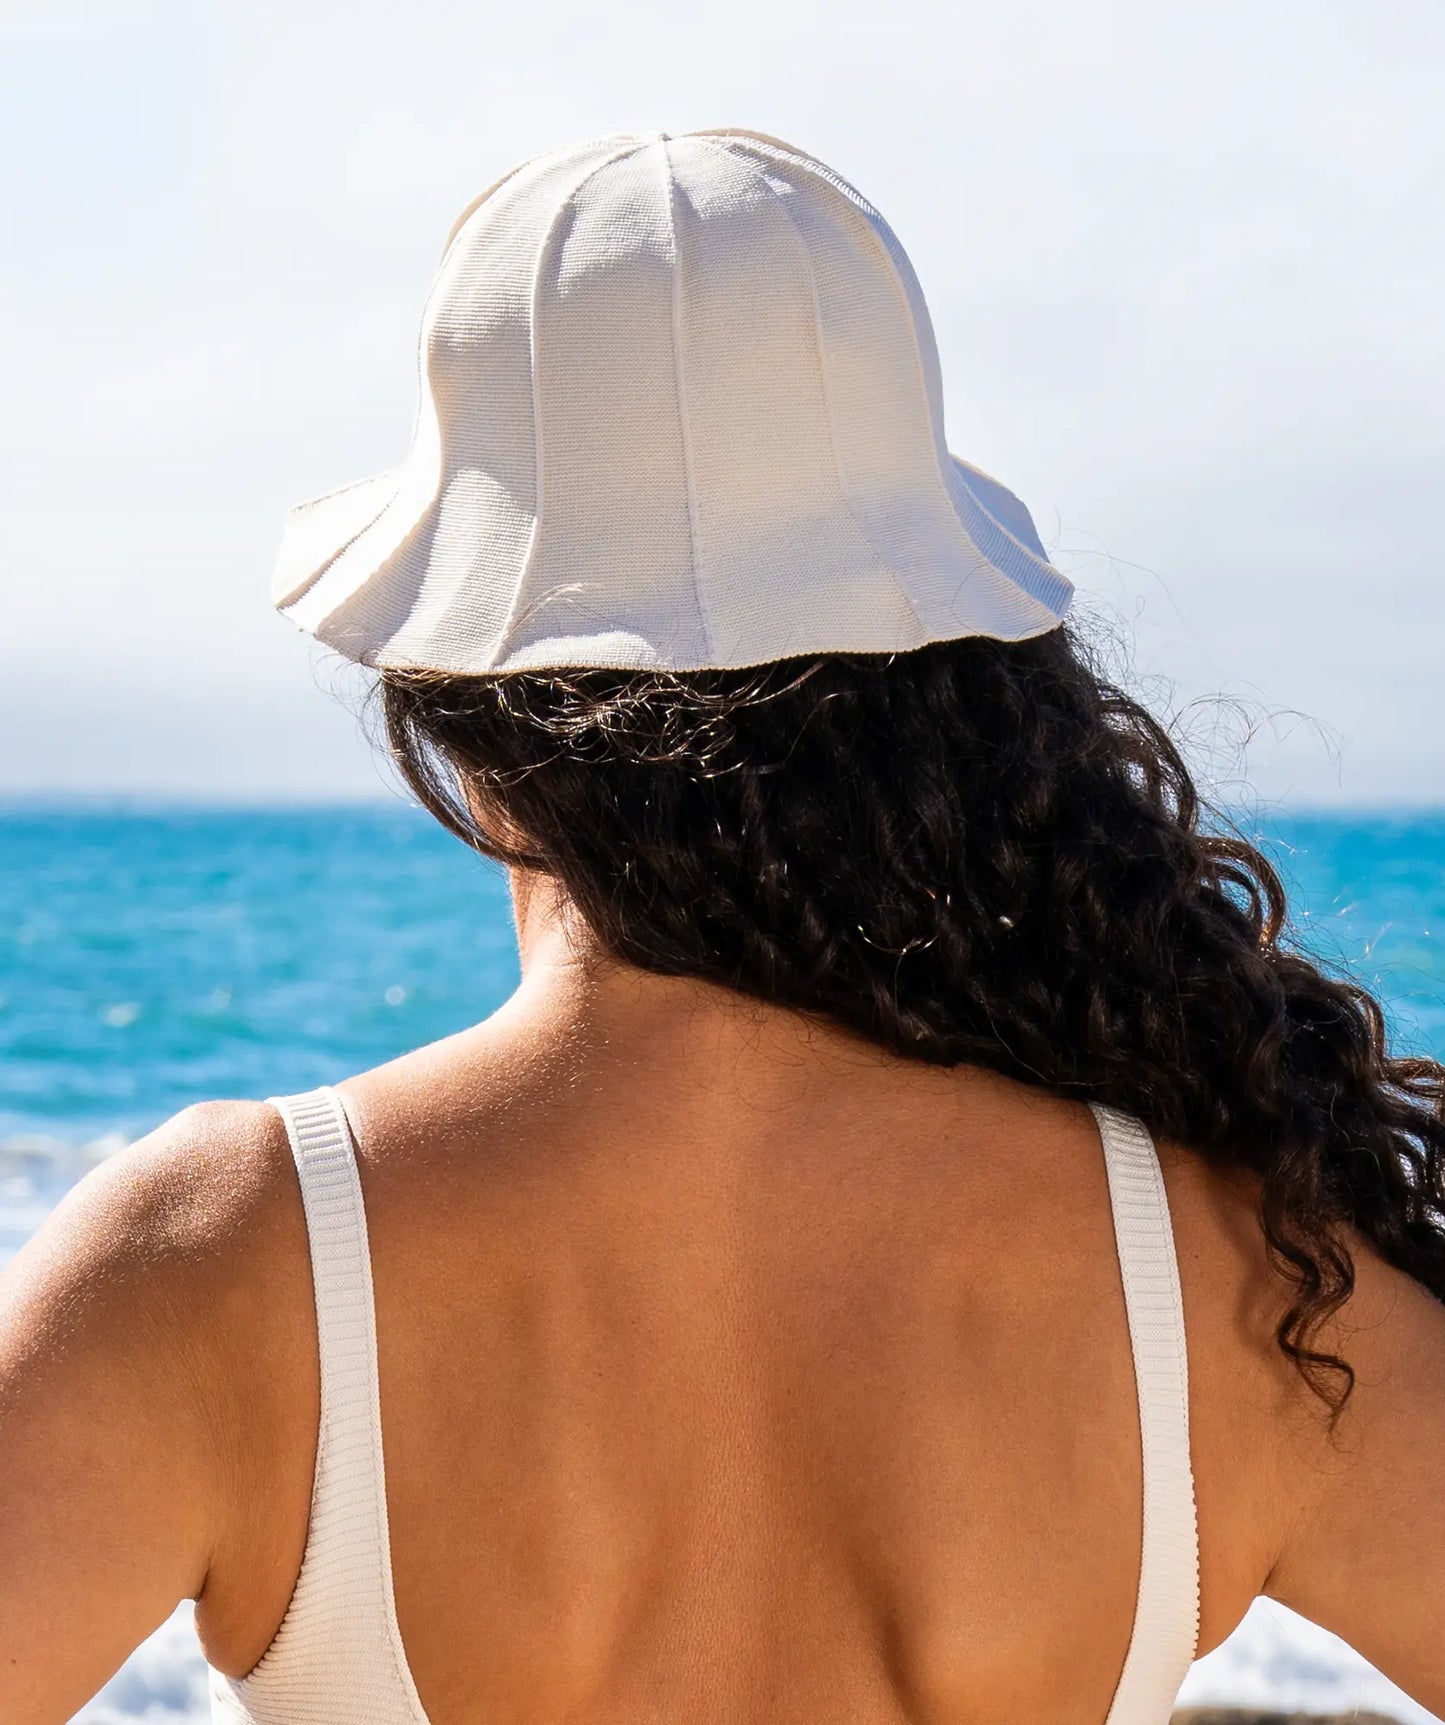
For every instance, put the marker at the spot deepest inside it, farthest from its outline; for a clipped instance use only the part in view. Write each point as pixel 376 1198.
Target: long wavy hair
pixel 976 851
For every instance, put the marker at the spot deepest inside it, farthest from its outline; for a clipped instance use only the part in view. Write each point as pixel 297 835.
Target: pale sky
pixel 1186 267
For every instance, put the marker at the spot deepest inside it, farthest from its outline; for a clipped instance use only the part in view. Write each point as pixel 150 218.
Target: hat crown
pixel 680 405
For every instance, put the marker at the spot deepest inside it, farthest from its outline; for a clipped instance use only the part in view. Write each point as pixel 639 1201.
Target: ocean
pixel 155 956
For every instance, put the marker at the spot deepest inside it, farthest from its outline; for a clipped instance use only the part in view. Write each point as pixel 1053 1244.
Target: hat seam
pixel 864 532
pixel 567 207
pixel 423 393
pixel 481 198
pixel 821 171
pixel 679 375
pixel 476 204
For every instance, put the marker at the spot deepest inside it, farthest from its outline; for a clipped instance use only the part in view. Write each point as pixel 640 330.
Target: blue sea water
pixel 151 957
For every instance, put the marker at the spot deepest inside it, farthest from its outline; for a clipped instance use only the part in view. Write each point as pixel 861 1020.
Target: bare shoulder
pixel 1390 1329
pixel 1350 1524
pixel 150 1270
pixel 1365 1555
pixel 173 1211
pixel 132 1333
pixel 167 1203
pixel 1391 1333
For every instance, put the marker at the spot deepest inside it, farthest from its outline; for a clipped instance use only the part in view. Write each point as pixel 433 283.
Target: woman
pixel 917 1245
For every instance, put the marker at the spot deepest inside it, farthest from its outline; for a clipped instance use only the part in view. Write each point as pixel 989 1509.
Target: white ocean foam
pixel 1277 1659
pixel 36 1170
pixel 45 1163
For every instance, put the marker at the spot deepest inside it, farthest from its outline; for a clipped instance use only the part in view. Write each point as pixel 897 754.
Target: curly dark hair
pixel 975 851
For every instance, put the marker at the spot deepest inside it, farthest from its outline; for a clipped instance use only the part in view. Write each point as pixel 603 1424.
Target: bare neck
pixel 609 1025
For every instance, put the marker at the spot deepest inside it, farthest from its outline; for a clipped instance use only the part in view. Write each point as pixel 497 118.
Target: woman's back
pixel 730 1369
pixel 752 1342
pixel 762 1380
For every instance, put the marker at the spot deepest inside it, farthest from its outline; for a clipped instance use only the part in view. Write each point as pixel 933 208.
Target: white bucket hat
pixel 680 406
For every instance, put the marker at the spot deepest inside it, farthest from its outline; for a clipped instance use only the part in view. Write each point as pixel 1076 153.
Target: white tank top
pixel 338 1659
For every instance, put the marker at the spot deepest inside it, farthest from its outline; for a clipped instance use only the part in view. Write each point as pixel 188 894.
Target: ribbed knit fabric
pixel 1166 1616
pixel 337 1658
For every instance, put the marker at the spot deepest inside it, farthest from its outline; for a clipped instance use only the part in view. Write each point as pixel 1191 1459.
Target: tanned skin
pixel 733 1370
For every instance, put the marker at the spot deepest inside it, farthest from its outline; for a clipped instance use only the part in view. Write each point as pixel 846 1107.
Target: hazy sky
pixel 1186 265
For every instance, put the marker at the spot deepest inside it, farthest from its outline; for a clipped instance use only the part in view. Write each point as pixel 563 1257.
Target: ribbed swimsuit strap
pixel 1166 1618
pixel 338 1653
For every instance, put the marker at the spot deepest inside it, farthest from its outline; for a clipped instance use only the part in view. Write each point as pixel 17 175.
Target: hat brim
pixel 320 563
pixel 1003 530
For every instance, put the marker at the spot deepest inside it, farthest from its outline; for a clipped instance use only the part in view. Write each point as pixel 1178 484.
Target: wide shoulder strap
pixel 1166 1620
pixel 338 1653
